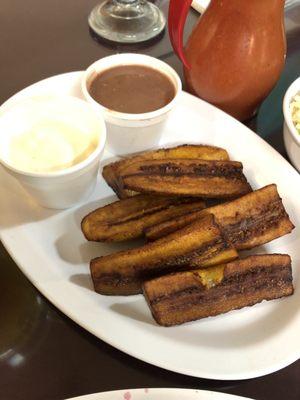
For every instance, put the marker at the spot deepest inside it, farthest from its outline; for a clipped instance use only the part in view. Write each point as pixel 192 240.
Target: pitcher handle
pixel 178 11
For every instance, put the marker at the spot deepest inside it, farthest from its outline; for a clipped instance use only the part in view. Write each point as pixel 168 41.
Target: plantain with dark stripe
pixel 200 244
pixel 111 172
pixel 173 224
pixel 127 219
pixel 252 220
pixel 186 177
pixel 186 296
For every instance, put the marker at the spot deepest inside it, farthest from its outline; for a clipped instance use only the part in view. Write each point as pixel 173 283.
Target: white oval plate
pixel 159 394
pixel 51 251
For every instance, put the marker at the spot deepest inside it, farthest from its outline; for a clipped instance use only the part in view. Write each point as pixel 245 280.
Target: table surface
pixel 54 358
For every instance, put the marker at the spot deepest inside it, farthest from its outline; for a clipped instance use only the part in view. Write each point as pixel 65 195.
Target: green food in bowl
pixel 295 111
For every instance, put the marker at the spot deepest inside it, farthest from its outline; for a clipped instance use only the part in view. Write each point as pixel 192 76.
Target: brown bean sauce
pixel 132 89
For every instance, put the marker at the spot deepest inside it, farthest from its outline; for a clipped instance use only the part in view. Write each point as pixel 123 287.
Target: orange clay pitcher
pixel 235 53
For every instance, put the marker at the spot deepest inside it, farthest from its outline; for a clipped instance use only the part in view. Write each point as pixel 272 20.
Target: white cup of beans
pixel 135 93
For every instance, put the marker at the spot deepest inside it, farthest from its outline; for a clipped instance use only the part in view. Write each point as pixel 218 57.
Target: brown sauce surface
pixel 132 89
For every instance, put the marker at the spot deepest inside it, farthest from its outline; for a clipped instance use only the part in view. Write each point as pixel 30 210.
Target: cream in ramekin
pixel 52 186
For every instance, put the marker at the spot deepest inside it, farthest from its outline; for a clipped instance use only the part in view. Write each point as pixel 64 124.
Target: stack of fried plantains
pixel 189 269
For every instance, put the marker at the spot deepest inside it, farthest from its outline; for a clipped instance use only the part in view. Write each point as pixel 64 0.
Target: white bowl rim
pixel 74 168
pixel 293 89
pixel 137 59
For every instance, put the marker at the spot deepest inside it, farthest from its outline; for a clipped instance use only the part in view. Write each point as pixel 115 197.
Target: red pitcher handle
pixel 178 11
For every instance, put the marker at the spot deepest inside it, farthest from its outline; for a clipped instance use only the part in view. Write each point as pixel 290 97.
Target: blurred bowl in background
pixel 290 134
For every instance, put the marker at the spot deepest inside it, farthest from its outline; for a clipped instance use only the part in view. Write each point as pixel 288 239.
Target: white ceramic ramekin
pixel 290 134
pixel 63 188
pixel 131 133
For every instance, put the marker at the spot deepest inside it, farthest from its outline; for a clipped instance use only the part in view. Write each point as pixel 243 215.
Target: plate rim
pixel 163 390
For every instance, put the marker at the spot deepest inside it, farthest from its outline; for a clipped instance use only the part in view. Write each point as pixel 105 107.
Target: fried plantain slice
pixel 187 296
pixel 165 228
pixel 198 245
pixel 127 219
pixel 249 221
pixel 111 172
pixel 185 177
